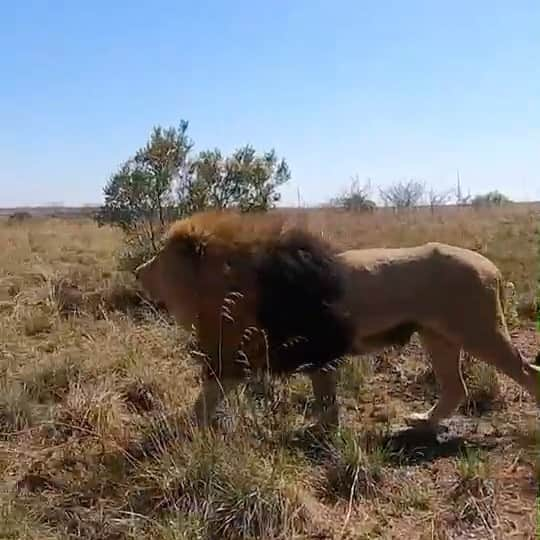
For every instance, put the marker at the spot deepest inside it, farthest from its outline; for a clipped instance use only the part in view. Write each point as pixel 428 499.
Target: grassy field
pixel 94 388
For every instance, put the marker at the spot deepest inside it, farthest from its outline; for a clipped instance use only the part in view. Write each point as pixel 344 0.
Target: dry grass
pixel 94 387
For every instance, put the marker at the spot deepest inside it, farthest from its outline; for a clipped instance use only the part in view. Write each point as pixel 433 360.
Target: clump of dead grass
pixel 355 465
pixel 117 293
pixel 353 375
pixel 483 387
pixel 96 410
pixel 50 379
pixel 474 491
pixel 16 524
pixel 141 396
pixel 412 497
pixel 212 486
pixel 15 408
pixel 37 321
pixel 238 492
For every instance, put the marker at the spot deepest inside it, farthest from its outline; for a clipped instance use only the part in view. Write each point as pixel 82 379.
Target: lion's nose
pixel 143 272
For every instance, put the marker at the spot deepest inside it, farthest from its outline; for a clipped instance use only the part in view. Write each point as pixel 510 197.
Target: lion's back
pixel 431 255
pixel 434 285
pixel 458 259
pixel 431 274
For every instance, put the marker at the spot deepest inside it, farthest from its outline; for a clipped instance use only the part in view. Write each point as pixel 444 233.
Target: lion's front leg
pixel 324 385
pixel 212 394
pixel 445 360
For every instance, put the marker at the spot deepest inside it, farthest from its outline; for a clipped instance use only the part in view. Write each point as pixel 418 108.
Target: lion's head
pixel 252 287
pixel 200 259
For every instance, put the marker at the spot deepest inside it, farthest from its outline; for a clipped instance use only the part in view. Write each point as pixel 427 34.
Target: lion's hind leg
pixel 496 348
pixel 445 359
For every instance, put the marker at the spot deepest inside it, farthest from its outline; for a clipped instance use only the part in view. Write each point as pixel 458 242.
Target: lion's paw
pixel 420 421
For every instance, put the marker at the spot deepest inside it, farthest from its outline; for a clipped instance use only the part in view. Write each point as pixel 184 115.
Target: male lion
pixel 261 296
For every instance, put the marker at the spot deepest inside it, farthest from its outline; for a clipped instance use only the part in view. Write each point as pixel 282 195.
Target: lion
pixel 263 296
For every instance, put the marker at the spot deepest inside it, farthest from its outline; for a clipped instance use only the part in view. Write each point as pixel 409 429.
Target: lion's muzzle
pixel 143 274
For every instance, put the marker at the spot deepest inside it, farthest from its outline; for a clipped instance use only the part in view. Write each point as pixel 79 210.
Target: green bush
pixel 162 182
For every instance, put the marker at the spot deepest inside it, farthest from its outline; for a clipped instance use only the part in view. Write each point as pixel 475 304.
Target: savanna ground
pixel 94 387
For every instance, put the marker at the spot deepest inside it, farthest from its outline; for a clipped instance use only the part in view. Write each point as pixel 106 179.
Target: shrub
pixel 161 182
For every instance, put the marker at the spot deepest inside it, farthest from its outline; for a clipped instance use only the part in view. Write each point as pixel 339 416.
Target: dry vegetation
pixel 94 384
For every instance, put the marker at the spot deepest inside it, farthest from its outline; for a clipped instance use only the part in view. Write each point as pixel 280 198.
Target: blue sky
pixel 387 90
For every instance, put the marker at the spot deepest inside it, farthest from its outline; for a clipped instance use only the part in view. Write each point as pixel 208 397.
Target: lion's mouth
pixel 150 297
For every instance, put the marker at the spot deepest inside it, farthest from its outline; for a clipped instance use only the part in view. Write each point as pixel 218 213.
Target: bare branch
pixel 403 194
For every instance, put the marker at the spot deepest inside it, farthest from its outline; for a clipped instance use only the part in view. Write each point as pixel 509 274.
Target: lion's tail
pixel 502 293
pixel 502 305
pixel 534 368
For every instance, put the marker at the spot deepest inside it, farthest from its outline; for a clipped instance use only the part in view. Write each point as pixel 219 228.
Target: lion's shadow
pixel 406 446
pixel 414 446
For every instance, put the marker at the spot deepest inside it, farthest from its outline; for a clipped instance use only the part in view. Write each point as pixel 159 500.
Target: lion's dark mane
pixel 300 283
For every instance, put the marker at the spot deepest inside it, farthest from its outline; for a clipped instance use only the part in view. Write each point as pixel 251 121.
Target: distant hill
pixel 88 210
pixel 45 211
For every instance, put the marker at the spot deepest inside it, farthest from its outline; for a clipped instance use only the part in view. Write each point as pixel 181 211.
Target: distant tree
pixel 403 194
pixel 19 217
pixel 438 198
pixel 356 198
pixel 492 198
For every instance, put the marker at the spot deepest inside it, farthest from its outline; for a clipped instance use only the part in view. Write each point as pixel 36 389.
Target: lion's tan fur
pixel 451 296
pixel 448 290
